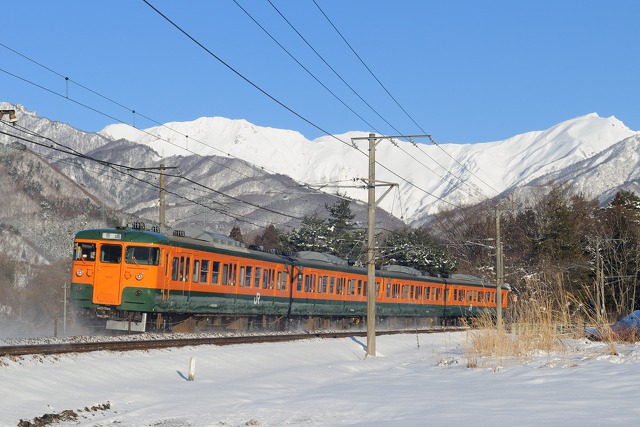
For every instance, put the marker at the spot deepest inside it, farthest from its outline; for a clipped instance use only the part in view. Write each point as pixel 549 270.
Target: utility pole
pixel 371 235
pixel 162 168
pixel 162 197
pixel 499 271
pixel 371 250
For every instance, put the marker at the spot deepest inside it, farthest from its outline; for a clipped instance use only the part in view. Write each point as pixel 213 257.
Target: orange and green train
pixel 138 279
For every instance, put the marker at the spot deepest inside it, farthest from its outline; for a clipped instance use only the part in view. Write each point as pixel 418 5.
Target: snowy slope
pixel 430 177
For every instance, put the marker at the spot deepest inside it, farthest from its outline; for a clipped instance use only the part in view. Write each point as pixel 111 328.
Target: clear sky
pixel 464 71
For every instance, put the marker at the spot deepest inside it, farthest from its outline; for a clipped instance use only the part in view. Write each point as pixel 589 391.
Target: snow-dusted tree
pixel 414 247
pixel 311 236
pixel 344 239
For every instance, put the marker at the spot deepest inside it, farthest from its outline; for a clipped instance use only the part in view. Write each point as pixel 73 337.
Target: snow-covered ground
pixel 415 380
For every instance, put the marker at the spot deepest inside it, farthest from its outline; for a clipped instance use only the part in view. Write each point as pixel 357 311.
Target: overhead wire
pixel 126 170
pixel 277 101
pixel 347 84
pixel 68 79
pixel 395 100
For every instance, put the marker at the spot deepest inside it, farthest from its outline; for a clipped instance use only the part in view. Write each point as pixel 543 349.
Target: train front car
pixel 115 276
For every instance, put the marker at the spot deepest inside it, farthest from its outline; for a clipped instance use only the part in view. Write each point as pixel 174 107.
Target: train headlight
pixel 80 272
pixel 139 276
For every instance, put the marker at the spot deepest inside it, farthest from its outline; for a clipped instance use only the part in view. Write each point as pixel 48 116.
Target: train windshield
pixel 142 255
pixel 111 254
pixel 84 252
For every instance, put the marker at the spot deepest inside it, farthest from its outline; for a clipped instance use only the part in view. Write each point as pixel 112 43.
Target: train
pixel 137 279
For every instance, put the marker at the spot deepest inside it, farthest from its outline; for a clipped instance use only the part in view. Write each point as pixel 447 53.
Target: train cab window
pixel 256 280
pixel 215 273
pixel 196 270
pixel 111 254
pixel 142 255
pixel 204 271
pixel 84 252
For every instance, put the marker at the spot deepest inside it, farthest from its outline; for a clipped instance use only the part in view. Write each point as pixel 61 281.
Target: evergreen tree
pixel 344 240
pixel 416 248
pixel 269 238
pixel 236 234
pixel 311 236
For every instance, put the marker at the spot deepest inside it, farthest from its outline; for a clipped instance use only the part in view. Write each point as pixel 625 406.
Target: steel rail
pixel 129 345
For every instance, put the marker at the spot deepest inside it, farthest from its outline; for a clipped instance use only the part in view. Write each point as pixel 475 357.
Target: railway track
pixel 152 344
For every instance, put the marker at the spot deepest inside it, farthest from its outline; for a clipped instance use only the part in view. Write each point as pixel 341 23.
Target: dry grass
pixel 541 322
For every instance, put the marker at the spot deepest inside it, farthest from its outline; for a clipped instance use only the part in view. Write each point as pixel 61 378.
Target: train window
pixel 427 292
pixel 247 279
pixel 339 285
pixel 299 287
pixel 323 281
pixel 282 280
pixel 388 290
pixel 256 280
pixel 225 274
pixel 469 295
pixel 438 294
pixel 351 287
pixel 359 287
pixel 267 278
pixel 215 273
pixel 309 282
pixel 84 252
pixel 181 271
pixel 405 291
pixel 174 268
pixel 229 274
pixel 196 272
pixel 332 285
pixel 186 270
pixel 142 255
pixel 166 264
pixel 204 271
pixel 111 254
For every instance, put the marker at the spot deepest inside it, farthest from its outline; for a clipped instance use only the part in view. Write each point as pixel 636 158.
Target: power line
pixel 394 99
pixel 127 169
pixel 264 92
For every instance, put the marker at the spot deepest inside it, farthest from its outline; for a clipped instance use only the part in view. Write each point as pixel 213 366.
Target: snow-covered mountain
pixel 430 177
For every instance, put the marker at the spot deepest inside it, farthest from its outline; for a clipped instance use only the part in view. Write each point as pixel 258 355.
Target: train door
pixel 107 285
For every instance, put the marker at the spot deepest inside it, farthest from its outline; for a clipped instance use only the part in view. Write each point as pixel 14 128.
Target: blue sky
pixel 464 71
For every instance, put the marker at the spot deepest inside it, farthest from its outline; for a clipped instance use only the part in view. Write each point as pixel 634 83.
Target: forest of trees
pixel 561 247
